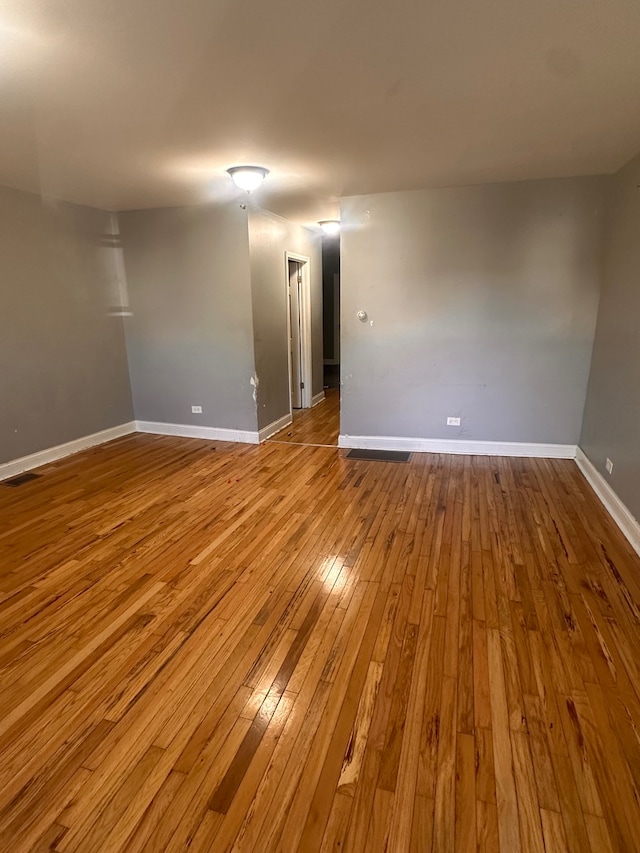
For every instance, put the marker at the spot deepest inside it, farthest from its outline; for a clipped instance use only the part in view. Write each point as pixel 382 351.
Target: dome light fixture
pixel 248 177
pixel 331 227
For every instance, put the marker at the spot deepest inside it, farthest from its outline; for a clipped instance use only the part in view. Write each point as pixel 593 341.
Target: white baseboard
pixel 317 398
pixel 52 454
pixel 274 427
pixel 190 431
pixel 617 510
pixel 468 448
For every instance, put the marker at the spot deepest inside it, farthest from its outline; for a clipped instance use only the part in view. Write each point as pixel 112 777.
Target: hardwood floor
pixel 214 647
pixel 319 425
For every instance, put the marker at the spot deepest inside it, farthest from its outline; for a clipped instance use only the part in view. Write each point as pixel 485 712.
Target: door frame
pixel 305 327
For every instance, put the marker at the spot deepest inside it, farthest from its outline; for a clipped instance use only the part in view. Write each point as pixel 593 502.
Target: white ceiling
pixel 143 103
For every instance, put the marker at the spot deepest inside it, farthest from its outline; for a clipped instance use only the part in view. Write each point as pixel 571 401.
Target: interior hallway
pixel 271 647
pixel 319 425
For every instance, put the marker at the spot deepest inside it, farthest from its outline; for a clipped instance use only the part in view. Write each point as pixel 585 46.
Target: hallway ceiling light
pixel 248 177
pixel 330 226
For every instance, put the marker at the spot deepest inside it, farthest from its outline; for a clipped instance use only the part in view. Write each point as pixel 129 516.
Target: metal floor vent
pixel 21 478
pixel 380 455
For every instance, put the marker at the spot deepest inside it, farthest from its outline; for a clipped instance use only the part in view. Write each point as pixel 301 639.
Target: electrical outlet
pixel 453 421
pixel 609 466
pixel 196 410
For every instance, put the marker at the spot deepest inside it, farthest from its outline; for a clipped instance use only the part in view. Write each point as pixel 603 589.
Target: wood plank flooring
pixel 216 647
pixel 319 425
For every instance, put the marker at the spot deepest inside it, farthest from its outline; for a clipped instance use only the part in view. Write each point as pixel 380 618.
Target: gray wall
pixel 269 238
pixel 190 339
pixel 483 301
pixel 63 361
pixel 612 413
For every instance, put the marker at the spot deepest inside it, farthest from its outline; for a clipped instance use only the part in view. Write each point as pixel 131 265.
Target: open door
pixel 299 327
pixel 295 334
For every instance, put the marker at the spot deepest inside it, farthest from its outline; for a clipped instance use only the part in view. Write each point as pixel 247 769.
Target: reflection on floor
pixel 319 425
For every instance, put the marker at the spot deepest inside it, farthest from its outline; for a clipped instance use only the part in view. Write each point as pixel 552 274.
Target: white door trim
pixel 305 326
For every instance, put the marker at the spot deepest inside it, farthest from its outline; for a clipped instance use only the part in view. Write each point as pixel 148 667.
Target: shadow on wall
pixel 112 260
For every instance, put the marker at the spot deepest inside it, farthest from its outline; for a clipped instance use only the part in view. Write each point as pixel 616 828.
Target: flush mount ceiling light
pixel 248 177
pixel 330 226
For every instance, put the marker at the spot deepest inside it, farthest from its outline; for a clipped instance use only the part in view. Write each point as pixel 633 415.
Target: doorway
pixel 299 329
pixel 331 310
pixel 314 420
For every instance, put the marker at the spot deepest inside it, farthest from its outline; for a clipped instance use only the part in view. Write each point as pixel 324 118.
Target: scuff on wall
pixel 255 382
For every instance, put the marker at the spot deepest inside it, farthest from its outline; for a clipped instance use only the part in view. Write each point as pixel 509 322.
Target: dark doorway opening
pixel 331 310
